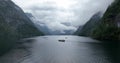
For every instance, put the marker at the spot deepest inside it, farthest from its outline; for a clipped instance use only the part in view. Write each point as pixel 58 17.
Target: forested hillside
pixel 109 28
pixel 14 25
pixel 106 28
pixel 87 29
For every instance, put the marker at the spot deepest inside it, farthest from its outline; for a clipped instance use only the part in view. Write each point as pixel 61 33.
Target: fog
pixel 61 15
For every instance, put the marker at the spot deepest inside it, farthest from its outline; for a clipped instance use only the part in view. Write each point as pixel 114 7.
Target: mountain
pixel 109 29
pixel 42 27
pixel 14 25
pixel 38 24
pixel 88 27
pixel 78 30
pixel 64 32
pixel 106 28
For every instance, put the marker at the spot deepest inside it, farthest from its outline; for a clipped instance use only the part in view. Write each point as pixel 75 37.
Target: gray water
pixel 47 49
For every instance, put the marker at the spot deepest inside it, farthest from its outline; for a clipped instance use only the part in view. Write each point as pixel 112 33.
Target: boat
pixel 61 40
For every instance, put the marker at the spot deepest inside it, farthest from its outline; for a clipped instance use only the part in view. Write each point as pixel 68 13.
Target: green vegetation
pixel 106 32
pixel 107 27
pixel 7 36
pixel 87 29
pixel 28 30
pixel 14 25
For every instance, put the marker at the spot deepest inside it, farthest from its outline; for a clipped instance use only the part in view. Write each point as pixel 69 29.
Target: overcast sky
pixel 60 15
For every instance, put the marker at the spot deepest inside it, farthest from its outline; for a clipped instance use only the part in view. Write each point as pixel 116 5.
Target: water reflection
pixel 113 50
pixel 75 49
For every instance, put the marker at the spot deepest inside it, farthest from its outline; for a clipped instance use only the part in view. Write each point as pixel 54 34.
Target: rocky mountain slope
pixel 38 24
pixel 77 32
pixel 14 25
pixel 88 27
pixel 108 27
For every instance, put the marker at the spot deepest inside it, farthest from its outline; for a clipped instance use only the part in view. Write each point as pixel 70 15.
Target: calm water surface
pixel 47 49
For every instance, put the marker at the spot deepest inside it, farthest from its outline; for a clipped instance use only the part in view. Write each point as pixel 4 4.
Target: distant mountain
pixel 14 25
pixel 90 25
pixel 68 32
pixel 39 25
pixel 78 30
pixel 42 27
pixel 64 32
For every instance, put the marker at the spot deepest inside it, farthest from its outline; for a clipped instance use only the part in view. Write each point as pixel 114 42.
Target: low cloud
pixel 65 14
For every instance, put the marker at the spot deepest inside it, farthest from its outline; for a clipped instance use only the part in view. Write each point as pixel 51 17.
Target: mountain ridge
pixel 108 27
pixel 14 25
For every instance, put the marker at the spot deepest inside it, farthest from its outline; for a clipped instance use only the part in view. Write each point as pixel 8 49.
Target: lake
pixel 75 49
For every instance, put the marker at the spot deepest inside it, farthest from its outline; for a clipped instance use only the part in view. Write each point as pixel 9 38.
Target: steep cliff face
pixel 90 25
pixel 109 29
pixel 14 25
